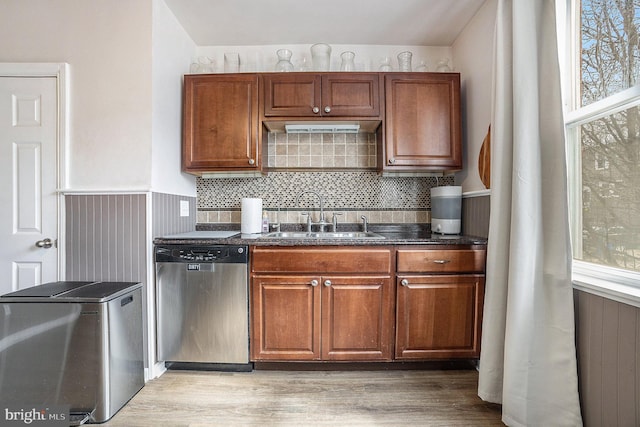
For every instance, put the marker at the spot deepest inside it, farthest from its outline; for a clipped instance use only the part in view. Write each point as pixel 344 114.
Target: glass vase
pixel 321 56
pixel 348 62
pixel 443 66
pixel 404 61
pixel 284 60
pixel 385 64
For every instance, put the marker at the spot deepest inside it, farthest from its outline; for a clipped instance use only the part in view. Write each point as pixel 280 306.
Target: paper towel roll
pixel 251 216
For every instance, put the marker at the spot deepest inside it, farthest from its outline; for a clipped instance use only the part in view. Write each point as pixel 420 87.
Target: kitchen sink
pixel 322 235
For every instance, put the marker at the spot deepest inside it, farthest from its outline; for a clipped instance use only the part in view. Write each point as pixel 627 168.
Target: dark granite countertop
pixel 401 234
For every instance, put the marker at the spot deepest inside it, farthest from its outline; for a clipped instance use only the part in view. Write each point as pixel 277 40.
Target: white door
pixel 28 200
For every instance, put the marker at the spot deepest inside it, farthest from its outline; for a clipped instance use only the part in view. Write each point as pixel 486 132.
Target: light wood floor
pixel 308 398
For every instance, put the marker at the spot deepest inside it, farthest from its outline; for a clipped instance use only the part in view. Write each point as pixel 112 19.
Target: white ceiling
pixel 357 22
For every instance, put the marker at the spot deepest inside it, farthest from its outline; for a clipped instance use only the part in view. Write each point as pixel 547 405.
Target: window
pixel 603 136
pixel 601 161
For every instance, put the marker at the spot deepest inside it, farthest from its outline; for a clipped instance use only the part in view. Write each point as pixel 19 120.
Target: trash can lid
pixel 71 291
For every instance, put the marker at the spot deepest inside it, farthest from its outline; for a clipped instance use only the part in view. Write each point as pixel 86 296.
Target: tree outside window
pixel 610 142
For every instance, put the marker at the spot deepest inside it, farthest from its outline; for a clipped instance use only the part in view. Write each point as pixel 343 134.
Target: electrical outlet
pixel 184 208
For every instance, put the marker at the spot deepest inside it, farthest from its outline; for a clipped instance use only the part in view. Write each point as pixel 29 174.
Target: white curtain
pixel 528 359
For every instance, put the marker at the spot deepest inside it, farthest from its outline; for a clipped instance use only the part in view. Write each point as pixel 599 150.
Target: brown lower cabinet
pixel 285 318
pixel 329 315
pixel 439 317
pixel 440 295
pixel 341 303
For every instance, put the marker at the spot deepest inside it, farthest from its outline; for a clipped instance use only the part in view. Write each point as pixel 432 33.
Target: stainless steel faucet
pixel 276 225
pixel 365 223
pixel 322 223
pixel 334 223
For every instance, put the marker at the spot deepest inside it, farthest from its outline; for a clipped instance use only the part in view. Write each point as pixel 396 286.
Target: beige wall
pixel 108 47
pixel 172 53
pixel 118 117
pixel 472 54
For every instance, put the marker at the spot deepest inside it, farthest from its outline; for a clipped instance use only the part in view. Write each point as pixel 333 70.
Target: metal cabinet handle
pixel 45 243
pixel 327 283
pixel 315 110
pixel 441 261
pixel 314 283
pixel 252 161
pixel 392 161
pixel 404 282
pixel 327 109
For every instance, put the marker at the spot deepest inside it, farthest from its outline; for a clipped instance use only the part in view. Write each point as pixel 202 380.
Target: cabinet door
pixel 321 95
pixel 423 127
pixel 357 318
pixel 291 95
pixel 439 317
pixel 285 318
pixel 220 123
pixel 350 94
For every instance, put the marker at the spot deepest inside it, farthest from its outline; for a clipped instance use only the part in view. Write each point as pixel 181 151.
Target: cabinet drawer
pixel 441 261
pixel 313 260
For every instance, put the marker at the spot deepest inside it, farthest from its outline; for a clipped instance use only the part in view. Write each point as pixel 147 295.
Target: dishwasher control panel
pixel 213 254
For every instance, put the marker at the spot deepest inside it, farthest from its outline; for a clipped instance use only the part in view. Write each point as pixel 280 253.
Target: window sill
pixel 615 284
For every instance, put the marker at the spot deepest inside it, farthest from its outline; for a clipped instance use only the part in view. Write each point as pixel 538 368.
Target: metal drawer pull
pixel 327 283
pixel 441 261
pixel 314 282
pixel 404 282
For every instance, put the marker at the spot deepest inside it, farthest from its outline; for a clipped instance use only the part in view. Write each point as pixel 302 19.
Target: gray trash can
pixel 73 344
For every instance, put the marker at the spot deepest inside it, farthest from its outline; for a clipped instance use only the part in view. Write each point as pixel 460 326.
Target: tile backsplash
pixel 322 150
pixel 354 193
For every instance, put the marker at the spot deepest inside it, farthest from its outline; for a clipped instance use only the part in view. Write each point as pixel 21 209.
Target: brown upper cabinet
pixel 321 95
pixel 422 123
pixel 416 116
pixel 220 127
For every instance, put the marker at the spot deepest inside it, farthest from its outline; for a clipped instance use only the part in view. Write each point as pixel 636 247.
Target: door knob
pixel 327 109
pixel 327 283
pixel 44 243
pixel 316 110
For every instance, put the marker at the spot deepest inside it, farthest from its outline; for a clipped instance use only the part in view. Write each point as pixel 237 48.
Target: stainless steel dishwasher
pixel 203 307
